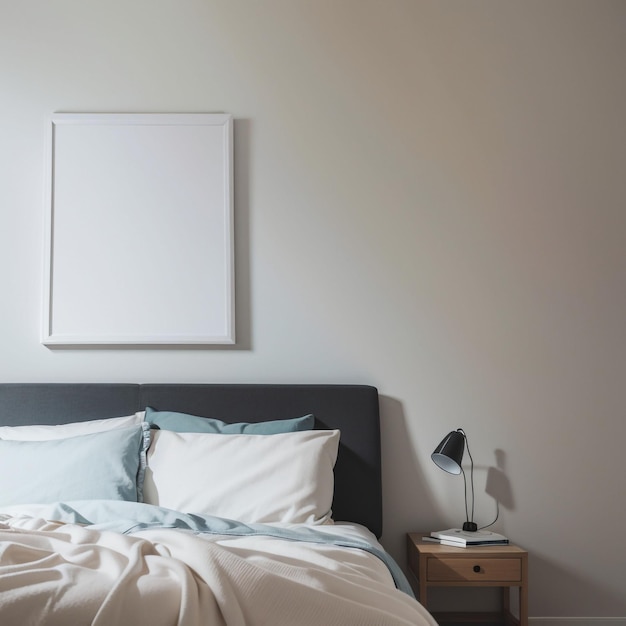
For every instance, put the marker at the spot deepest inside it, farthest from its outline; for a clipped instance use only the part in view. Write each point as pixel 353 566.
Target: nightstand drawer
pixel 479 569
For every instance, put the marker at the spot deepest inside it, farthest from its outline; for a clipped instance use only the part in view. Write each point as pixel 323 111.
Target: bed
pixel 195 504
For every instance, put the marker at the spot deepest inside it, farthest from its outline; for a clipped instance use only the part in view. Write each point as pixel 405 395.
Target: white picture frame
pixel 139 241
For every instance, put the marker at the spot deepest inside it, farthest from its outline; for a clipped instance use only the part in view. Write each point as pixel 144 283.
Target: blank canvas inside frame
pixel 139 229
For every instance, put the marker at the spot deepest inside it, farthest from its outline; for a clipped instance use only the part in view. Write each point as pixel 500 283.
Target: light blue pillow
pixel 184 423
pixel 102 466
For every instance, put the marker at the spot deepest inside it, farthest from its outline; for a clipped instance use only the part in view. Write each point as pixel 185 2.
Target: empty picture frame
pixel 139 229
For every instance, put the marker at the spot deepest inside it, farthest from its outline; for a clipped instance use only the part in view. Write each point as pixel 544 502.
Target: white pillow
pixel 285 477
pixel 42 432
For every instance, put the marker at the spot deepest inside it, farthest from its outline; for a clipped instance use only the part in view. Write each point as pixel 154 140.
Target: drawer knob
pixel 476 568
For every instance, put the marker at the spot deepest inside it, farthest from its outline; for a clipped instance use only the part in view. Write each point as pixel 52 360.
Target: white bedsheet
pixel 58 573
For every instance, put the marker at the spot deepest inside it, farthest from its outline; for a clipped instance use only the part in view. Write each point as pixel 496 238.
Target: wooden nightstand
pixel 436 565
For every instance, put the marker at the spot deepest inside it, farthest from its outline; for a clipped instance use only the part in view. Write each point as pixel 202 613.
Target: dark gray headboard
pixel 353 409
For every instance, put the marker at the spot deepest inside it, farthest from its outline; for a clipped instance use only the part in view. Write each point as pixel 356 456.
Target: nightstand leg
pixel 506 601
pixel 423 599
pixel 523 605
pixel 422 583
pixel 523 594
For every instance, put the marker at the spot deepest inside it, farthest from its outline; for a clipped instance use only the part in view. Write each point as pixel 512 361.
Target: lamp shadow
pixel 498 485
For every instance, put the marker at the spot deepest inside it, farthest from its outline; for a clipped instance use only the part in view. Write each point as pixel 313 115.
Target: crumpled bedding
pixel 116 563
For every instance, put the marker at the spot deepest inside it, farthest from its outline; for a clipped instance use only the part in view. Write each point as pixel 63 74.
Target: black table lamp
pixel 448 455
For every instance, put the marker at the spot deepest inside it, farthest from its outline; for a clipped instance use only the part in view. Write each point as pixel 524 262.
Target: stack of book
pixel 463 539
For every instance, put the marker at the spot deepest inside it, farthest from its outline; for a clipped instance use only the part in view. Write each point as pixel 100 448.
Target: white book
pixel 458 544
pixel 458 537
pixel 455 544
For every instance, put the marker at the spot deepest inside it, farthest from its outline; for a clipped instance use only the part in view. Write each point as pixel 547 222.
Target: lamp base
pixel 470 527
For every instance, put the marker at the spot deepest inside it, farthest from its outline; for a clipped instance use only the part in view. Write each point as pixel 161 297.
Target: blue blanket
pixel 129 517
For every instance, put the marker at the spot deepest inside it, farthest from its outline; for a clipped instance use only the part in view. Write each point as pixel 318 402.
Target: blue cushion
pixel 183 423
pixel 101 466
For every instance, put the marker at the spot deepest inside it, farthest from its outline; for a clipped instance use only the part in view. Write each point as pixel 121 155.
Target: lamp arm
pixel 469 524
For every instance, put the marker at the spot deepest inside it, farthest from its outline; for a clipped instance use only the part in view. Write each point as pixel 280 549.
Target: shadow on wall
pixel 498 485
pixel 407 501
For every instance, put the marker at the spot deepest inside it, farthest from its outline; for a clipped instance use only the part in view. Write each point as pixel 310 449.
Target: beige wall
pixel 430 199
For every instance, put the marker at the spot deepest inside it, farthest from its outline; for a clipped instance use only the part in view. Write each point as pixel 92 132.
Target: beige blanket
pixel 65 574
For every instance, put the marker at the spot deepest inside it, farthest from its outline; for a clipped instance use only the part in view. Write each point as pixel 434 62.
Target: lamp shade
pixel 448 455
